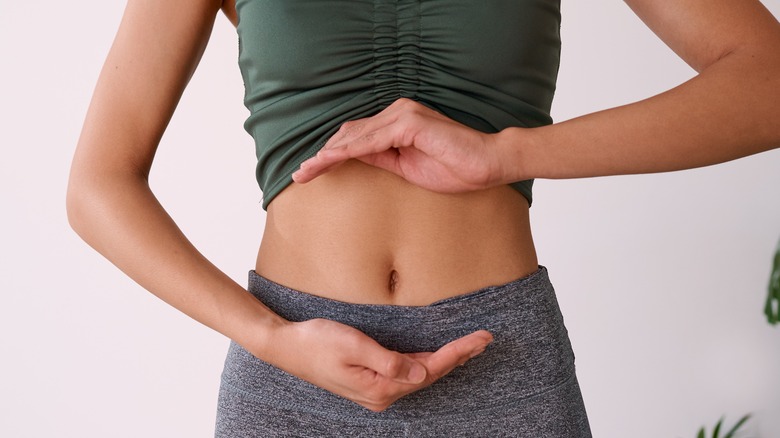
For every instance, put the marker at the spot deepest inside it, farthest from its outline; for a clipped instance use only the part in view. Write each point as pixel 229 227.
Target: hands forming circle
pixel 347 362
pixel 434 152
pixel 416 143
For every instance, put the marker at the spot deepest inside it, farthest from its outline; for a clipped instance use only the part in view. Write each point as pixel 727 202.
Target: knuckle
pixel 351 127
pixel 434 376
pixel 393 366
pixel 403 101
pixel 407 105
pixel 414 113
pixel 352 341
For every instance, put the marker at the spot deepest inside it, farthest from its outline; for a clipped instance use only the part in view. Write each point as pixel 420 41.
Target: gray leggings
pixel 523 385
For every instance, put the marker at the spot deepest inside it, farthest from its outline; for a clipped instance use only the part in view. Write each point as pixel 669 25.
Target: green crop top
pixel 310 65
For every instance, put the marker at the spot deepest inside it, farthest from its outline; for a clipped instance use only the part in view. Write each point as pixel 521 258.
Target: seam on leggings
pixel 392 421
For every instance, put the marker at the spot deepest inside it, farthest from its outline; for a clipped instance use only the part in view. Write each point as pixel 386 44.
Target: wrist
pixel 263 336
pixel 514 145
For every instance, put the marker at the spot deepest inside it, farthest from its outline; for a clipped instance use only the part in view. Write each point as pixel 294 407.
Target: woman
pixel 412 130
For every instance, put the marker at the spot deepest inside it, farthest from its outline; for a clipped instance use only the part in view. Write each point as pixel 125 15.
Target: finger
pixel 312 168
pixel 317 165
pixel 419 356
pixel 371 143
pixel 371 139
pixel 455 353
pixel 390 364
pixel 354 129
pixel 388 160
pixel 347 130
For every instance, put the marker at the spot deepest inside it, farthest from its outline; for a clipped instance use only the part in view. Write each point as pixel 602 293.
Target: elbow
pixel 76 206
pixel 766 80
pixel 772 89
pixel 758 79
pixel 96 198
pixel 85 200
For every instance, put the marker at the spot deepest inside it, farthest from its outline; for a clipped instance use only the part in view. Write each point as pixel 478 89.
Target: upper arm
pixel 154 54
pixel 229 9
pixel 703 31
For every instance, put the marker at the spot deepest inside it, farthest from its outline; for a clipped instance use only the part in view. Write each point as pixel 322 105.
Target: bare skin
pixel 361 234
pixel 111 206
pixel 729 110
pixel 419 214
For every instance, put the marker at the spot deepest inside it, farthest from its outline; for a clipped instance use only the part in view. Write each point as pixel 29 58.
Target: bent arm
pixel 111 206
pixel 109 202
pixel 729 110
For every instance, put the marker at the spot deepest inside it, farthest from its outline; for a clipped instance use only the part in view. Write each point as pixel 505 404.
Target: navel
pixel 392 283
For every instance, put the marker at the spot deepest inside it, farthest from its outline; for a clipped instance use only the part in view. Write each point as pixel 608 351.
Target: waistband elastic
pixel 416 328
pixel 530 354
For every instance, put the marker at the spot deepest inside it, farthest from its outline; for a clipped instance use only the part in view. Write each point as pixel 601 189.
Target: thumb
pixel 456 353
pixel 393 365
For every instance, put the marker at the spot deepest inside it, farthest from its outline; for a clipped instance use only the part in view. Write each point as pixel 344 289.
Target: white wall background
pixel 661 278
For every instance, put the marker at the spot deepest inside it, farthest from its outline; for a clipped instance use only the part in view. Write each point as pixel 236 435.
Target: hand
pixel 346 362
pixel 417 143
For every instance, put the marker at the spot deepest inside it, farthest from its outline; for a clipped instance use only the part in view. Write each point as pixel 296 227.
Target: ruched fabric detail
pixel 396 50
pixel 310 65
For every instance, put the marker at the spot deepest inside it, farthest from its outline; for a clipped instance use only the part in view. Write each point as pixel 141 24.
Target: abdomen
pixel 360 234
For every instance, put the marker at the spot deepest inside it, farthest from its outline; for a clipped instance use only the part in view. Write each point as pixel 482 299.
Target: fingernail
pixel 416 373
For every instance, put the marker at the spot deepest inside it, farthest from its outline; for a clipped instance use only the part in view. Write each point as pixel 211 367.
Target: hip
pixel 524 384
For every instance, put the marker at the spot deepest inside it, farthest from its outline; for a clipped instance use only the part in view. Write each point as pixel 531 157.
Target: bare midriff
pixel 363 235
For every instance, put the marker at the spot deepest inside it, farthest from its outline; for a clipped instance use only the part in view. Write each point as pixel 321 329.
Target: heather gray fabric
pixel 523 385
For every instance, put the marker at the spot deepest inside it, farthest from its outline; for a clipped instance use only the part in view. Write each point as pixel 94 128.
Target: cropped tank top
pixel 310 65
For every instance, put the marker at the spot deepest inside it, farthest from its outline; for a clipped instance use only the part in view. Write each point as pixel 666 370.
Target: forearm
pixel 120 217
pixel 730 110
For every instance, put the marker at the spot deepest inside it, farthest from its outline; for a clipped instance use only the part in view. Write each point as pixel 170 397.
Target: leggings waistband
pixel 422 328
pixel 530 353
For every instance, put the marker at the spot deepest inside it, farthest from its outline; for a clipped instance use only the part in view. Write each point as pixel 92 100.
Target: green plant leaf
pixel 740 423
pixel 772 306
pixel 701 433
pixel 716 432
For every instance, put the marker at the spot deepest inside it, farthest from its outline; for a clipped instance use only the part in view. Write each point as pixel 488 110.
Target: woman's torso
pixel 360 234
